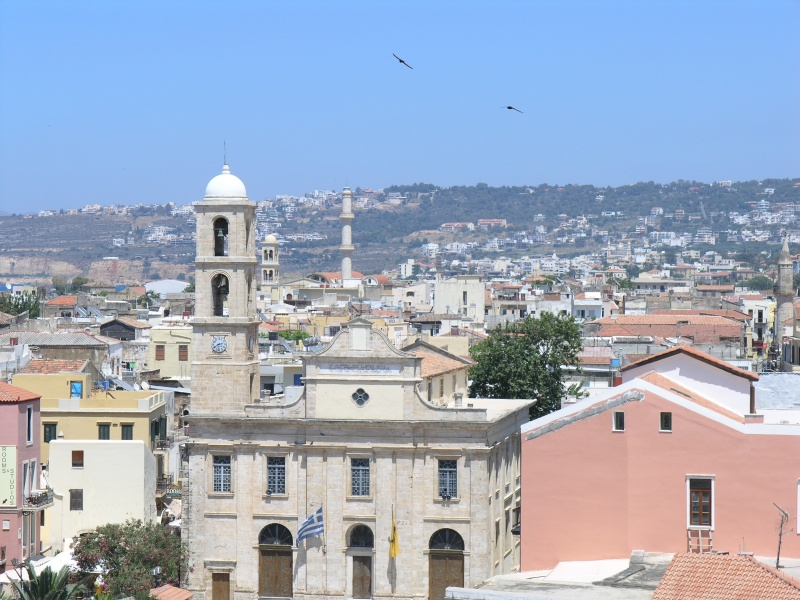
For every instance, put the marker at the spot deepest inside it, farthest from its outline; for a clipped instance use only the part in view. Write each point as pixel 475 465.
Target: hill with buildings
pixel 423 221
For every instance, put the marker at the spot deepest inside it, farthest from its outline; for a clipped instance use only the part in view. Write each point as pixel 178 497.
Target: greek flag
pixel 312 526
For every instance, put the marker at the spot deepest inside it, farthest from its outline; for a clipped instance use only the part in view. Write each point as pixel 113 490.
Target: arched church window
pixel 271 256
pixel 220 237
pixel 220 288
pixel 361 537
pixel 446 539
pixel 275 534
pixel 270 275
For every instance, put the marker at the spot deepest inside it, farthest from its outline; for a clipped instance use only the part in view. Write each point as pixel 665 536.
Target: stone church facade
pixel 359 438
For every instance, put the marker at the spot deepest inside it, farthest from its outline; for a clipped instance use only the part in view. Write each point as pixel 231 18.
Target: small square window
pixel 619 421
pixel 77 459
pixel 666 421
pixel 127 431
pixel 103 431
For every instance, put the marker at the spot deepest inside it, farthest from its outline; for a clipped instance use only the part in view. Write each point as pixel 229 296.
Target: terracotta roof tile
pixel 170 592
pixel 724 576
pixel 11 393
pixel 434 364
pixel 46 366
pixel 5 319
pixel 701 312
pixel 63 301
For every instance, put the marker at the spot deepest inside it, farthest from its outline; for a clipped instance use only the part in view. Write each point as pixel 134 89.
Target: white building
pixel 96 482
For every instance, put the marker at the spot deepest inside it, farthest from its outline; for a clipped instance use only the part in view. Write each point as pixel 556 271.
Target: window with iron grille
pixel 359 476
pixel 276 475
pixel 448 478
pixel 222 475
pixel 76 499
pixel 183 352
pixel 160 352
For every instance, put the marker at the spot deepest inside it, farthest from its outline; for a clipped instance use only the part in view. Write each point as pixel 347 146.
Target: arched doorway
pixel 275 561
pixel 445 562
pixel 360 546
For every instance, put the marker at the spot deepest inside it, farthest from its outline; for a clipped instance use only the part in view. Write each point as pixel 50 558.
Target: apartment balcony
pixel 162 444
pixel 38 500
pixel 163 484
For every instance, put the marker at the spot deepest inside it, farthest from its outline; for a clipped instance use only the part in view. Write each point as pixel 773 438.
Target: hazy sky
pixel 126 102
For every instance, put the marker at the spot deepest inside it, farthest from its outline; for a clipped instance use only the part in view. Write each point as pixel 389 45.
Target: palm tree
pixel 47 585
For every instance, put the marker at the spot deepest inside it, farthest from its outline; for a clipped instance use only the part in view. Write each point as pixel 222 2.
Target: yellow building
pixel 170 349
pixel 74 408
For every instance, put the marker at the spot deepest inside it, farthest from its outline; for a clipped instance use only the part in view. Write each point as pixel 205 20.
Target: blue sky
pixel 130 101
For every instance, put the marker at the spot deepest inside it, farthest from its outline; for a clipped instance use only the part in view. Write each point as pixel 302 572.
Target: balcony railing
pixel 163 483
pixel 39 498
pixel 163 443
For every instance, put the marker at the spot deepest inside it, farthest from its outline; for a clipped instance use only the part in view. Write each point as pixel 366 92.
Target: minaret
pixel 225 365
pixel 784 294
pixel 346 248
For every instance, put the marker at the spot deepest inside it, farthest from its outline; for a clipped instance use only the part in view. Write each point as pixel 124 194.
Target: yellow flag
pixel 394 543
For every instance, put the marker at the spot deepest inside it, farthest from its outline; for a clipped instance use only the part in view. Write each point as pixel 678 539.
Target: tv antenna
pixel 784 519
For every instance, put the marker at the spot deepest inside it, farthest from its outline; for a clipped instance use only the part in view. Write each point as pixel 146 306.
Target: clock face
pixel 219 344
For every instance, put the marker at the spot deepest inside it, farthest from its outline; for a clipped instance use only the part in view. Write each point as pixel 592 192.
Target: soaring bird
pixel 512 108
pixel 402 62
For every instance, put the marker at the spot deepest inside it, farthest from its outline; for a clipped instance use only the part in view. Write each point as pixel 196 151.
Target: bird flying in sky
pixel 402 62
pixel 512 108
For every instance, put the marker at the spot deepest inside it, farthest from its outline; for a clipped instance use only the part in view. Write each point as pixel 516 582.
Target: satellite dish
pixel 145 385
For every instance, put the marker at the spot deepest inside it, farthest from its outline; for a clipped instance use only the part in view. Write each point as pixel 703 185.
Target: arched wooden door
pixel 360 545
pixel 275 562
pixel 445 563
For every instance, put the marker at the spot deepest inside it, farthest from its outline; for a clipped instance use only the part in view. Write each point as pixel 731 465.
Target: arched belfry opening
pixel 220 237
pixel 220 288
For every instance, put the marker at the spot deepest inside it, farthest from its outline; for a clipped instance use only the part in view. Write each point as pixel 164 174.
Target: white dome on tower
pixel 226 185
pixel 270 239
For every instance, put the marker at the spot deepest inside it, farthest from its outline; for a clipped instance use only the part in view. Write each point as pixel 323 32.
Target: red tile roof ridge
pixel 698 354
pixel 12 393
pixel 63 301
pixel 729 576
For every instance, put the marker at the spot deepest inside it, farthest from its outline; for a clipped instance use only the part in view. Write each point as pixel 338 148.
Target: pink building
pixel 672 460
pixel 21 501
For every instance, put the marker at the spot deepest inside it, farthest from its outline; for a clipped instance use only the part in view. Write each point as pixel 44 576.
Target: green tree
pixel 796 280
pixel 525 359
pixel 19 303
pixel 78 282
pixel 759 282
pixel 129 552
pixel 47 585
pixel 60 284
